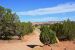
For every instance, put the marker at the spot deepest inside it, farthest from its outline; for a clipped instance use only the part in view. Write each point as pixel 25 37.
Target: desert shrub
pixel 27 28
pixel 47 36
pixel 69 29
pixel 58 28
pixel 8 22
pixel 64 30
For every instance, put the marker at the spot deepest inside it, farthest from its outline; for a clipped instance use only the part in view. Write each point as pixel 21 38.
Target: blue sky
pixel 41 10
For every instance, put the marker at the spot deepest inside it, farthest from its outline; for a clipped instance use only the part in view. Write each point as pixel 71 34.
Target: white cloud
pixel 69 7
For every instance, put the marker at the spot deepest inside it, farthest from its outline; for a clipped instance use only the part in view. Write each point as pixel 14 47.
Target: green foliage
pixel 47 36
pixel 64 30
pixel 58 28
pixel 69 29
pixel 26 28
pixel 10 24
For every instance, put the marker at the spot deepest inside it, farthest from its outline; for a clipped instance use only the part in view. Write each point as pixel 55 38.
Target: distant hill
pixel 49 22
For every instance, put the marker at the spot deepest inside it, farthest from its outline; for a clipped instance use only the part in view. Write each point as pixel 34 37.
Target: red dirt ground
pixel 33 40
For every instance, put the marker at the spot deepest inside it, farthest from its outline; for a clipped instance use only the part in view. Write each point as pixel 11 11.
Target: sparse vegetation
pixel 69 29
pixel 26 28
pixel 58 28
pixel 47 36
pixel 10 24
pixel 64 30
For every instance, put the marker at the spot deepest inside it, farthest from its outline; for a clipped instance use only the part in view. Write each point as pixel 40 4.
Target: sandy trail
pixel 33 40
pixel 18 45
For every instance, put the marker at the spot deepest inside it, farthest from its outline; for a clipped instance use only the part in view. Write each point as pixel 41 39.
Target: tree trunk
pixel 57 40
